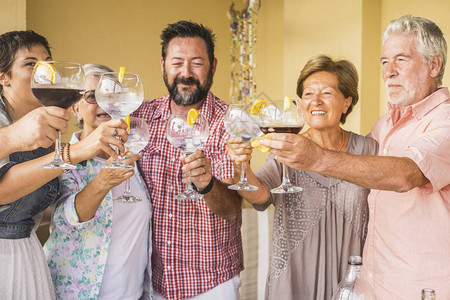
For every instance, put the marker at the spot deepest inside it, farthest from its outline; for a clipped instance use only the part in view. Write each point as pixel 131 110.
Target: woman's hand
pixel 239 151
pixel 109 178
pixel 38 128
pixel 112 132
pixel 88 200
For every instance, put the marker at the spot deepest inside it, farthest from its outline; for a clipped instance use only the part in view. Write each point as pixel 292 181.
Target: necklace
pixel 342 142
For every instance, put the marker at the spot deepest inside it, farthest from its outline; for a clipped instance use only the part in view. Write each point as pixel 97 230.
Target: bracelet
pixel 207 189
pixel 66 154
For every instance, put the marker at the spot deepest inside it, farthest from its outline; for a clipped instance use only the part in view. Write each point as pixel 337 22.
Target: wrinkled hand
pixel 293 150
pixel 38 128
pixel 110 178
pixel 239 151
pixel 102 137
pixel 198 168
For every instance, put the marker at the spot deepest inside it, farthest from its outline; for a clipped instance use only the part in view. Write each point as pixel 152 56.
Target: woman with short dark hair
pixel 25 190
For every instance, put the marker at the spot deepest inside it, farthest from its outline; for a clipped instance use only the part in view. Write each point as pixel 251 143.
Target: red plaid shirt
pixel 194 250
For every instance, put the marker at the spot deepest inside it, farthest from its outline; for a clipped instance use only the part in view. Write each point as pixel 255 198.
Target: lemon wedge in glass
pixel 254 109
pixel 255 142
pixel 121 72
pixel 287 103
pixel 127 120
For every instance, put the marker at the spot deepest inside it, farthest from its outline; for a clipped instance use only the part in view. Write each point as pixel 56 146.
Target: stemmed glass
pixel 187 139
pixel 239 122
pixel 138 137
pixel 119 94
pixel 57 84
pixel 274 116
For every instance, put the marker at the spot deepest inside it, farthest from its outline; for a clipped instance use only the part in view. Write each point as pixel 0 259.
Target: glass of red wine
pixel 58 84
pixel 282 116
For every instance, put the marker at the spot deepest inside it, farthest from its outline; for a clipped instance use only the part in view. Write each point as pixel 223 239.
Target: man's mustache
pixel 187 81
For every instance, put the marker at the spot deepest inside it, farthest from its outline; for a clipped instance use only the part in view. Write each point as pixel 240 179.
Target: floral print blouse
pixel 76 249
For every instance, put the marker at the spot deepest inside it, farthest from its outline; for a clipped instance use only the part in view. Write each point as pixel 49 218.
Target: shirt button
pixel 385 151
pixel 169 242
pixel 170 188
pixel 168 268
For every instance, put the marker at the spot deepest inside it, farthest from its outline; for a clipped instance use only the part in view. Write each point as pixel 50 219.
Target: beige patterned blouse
pixel 314 231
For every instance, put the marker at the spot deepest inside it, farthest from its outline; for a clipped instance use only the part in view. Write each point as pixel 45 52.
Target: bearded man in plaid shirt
pixel 197 247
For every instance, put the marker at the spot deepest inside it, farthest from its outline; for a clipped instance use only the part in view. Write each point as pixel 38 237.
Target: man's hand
pixel 293 150
pixel 198 168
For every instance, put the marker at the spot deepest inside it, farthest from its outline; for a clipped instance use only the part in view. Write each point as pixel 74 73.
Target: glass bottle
pixel 354 286
pixel 428 294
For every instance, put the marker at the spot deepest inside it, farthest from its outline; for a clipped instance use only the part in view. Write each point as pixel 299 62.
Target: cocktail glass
pixel 274 116
pixel 239 122
pixel 59 84
pixel 119 94
pixel 187 139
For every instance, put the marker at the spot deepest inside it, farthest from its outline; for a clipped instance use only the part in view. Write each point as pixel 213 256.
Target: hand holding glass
pixel 57 84
pixel 239 122
pixel 187 139
pixel 273 117
pixel 119 96
pixel 138 137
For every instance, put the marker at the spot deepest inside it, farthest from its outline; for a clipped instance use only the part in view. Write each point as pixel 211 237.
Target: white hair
pixel 429 38
pixel 95 69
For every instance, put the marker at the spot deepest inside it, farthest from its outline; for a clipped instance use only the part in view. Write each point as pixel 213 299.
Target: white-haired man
pixel 408 242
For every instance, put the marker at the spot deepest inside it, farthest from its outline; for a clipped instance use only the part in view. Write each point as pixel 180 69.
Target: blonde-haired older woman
pixel 99 248
pixel 315 231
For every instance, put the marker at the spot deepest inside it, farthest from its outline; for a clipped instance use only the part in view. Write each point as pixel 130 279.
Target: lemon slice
pixel 127 120
pixel 44 72
pixel 254 109
pixel 192 116
pixel 255 142
pixel 121 72
pixel 287 103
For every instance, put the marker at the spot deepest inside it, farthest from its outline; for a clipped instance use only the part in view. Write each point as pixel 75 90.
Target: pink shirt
pixel 408 242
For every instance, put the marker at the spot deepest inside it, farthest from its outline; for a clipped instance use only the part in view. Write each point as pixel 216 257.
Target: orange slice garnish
pixel 45 71
pixel 192 116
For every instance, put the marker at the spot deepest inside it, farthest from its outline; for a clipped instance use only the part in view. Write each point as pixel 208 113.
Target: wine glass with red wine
pixel 57 84
pixel 276 116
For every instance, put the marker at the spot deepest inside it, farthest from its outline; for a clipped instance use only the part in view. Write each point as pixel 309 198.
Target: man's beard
pixel 410 93
pixel 188 98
